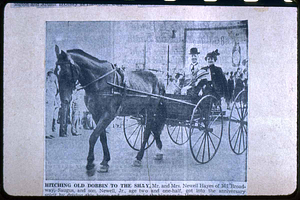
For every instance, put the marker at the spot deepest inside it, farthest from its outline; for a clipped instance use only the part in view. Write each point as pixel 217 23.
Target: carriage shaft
pixel 152 95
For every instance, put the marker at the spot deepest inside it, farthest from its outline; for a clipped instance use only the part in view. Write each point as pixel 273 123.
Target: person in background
pixel 55 114
pixel 245 72
pixel 239 85
pixel 51 102
pixel 76 112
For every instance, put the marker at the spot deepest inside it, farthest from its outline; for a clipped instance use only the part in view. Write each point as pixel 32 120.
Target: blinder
pixel 72 67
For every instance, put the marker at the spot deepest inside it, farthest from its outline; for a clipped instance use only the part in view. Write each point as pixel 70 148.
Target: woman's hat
pixel 51 70
pixel 213 54
pixel 194 50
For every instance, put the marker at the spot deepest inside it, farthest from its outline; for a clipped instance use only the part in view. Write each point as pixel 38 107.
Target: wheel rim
pixel 238 124
pixel 178 131
pixel 206 129
pixel 134 127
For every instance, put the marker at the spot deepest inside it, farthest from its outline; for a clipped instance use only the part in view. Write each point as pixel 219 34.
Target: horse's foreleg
pixel 103 122
pixel 90 159
pixel 106 154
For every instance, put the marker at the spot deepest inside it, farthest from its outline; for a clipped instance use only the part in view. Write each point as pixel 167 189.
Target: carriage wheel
pixel 206 129
pixel 178 131
pixel 134 127
pixel 238 124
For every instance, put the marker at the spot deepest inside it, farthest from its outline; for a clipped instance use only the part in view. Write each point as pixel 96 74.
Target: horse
pixel 93 75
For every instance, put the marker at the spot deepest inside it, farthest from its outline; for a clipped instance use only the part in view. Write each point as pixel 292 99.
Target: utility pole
pixel 168 63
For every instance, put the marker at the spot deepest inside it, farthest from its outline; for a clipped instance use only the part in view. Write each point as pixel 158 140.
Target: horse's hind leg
pixel 157 127
pixel 157 131
pixel 140 155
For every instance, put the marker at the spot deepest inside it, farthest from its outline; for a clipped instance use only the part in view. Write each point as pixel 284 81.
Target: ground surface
pixel 66 160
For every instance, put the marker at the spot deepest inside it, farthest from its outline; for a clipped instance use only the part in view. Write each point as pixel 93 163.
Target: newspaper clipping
pixel 146 108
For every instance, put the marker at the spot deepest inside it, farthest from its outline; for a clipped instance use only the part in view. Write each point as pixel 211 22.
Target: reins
pixel 101 77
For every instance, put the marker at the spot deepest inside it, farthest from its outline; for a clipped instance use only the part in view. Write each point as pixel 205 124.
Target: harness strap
pixel 101 77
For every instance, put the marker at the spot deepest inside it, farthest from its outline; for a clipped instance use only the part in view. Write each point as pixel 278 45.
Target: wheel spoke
pixel 237 138
pixel 148 140
pixel 211 142
pixel 240 139
pixel 243 140
pixel 132 125
pixel 173 130
pixel 234 119
pixel 234 134
pixel 214 120
pixel 134 131
pixel 215 135
pixel 241 105
pixel 142 135
pixel 198 140
pixel 178 132
pixel 245 136
pixel 137 136
pixel 238 111
pixel 181 130
pixel 246 111
pixel 199 147
pixel 186 132
pixel 208 147
pixel 245 130
pixel 204 147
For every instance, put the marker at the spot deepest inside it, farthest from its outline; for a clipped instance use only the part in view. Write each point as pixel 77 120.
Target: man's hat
pixel 194 50
pixel 245 61
pixel 213 54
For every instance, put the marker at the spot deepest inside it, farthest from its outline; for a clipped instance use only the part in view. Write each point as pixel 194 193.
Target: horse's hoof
pixel 91 172
pixel 90 166
pixel 137 163
pixel 103 168
pixel 159 156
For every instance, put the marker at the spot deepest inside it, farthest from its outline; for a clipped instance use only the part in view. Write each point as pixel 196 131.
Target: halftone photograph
pixel 146 101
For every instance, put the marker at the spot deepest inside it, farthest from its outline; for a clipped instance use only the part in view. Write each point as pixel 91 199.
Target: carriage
pixel 198 121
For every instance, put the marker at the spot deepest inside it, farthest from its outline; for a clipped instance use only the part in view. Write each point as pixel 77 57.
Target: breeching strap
pixel 101 77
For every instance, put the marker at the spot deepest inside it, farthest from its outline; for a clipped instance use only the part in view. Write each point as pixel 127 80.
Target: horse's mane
pixel 80 52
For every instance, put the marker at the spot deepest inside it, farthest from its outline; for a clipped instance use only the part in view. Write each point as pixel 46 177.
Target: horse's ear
pixel 56 50
pixel 63 53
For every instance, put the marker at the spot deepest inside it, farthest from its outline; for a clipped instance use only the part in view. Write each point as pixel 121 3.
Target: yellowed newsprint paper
pixel 121 100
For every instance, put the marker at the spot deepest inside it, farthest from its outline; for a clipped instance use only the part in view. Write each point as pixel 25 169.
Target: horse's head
pixel 67 74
